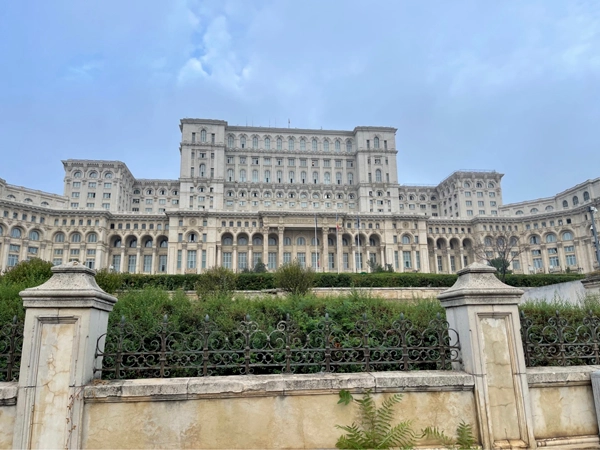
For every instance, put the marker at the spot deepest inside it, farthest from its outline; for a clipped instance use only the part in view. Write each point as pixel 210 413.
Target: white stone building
pixel 329 198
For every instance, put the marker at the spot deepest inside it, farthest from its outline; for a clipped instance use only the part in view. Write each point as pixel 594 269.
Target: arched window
pixel 272 241
pixel 586 196
pixel 59 237
pixel 575 200
pixel 287 241
pixel 338 145
pixel 77 174
pixel 92 238
pixel 148 243
pixel 405 239
pixel 533 210
pixel 314 145
pixel 348 146
pixel 229 174
pixel 34 235
pixel 376 142
pixel 565 204
pixel 243 175
pixel 350 178
pixel 300 241
pixel 202 170
pixel 108 175
pixel 192 237
pixel 549 208
pixel 93 174
pixel 243 142
pixel 378 176
pixel 227 240
pixel 534 240
pixel 203 136
pixel 338 178
pixel 302 144
pixel 164 243
pixel 467 184
pixel 242 240
pixel 279 144
pixel 344 242
pixel 117 243
pixel 268 143
pixel 315 177
pixel 567 236
pixel 488 241
pixel 76 237
pixel 327 178
pixel 230 141
pixel 491 185
pixel 133 243
pixel 303 177
pixel 255 142
pixel 255 176
pixel 280 176
pixel 313 242
pixel 257 240
pixel 479 185
pixel 291 176
pixel 267 176
pixel 1 230
pixel 290 144
pixel 519 213
pixel 325 145
pixel 550 238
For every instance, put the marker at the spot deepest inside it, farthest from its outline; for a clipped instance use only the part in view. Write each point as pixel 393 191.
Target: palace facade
pixel 328 198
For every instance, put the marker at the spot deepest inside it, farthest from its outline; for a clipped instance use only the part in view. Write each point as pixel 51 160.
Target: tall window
pixel 314 145
pixel 191 259
pixel 268 143
pixel 303 177
pixel 337 146
pixel 267 176
pixel 243 175
pixel 202 170
pixel 350 178
pixel 255 176
pixel 348 146
pixel 325 145
pixel 378 176
pixel 203 136
pixel 315 177
pixel 243 142
pixel 291 176
pixel 376 142
pixel 279 144
pixel 302 144
pixel 131 263
pixel 290 144
pixel 338 177
pixel 230 141
pixel 229 174
pixel 147 263
pixel 327 178
pixel 255 142
pixel 227 260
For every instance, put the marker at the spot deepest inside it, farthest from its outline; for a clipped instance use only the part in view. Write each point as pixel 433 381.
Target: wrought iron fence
pixel 561 343
pixel 209 351
pixel 11 343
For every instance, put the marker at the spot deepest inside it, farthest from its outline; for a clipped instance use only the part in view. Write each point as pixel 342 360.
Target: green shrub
pixel 33 272
pixel 294 278
pixel 255 281
pixel 217 281
pixel 109 281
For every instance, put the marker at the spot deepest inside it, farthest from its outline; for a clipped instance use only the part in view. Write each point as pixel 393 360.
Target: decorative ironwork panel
pixel 11 344
pixel 561 343
pixel 328 347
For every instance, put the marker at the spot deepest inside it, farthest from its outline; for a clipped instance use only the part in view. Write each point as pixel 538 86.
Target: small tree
pixel 216 282
pixel 499 249
pixel 294 278
pixel 260 267
pixel 108 280
pixel 33 272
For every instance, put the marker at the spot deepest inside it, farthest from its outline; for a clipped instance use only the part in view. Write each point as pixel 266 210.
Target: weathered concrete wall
pixel 8 410
pixel 571 291
pixel 270 411
pixel 563 406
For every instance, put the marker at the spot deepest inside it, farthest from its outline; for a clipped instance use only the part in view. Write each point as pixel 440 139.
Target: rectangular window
pixel 418 260
pixel 396 259
pixel 131 263
pixel 147 263
pixel 358 261
pixel 301 259
pixel 179 257
pixel 272 261
pixel 571 260
pixel 242 260
pixel 553 262
pixel 440 266
pixel 331 261
pixel 537 263
pixel 191 259
pixel 57 261
pixel 452 263
pixel 13 260
pixel 287 257
pixel 227 260
pixel 162 263
pixel 315 260
pixel 116 263
pixel 107 185
pixel 516 264
pixel 407 260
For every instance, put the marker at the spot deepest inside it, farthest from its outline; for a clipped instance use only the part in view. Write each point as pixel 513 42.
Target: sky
pixel 511 86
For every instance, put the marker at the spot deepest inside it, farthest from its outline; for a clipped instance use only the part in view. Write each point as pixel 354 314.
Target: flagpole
pixel 359 261
pixel 316 246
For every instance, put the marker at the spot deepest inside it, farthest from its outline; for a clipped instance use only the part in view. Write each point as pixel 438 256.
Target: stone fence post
pixel 63 320
pixel 484 312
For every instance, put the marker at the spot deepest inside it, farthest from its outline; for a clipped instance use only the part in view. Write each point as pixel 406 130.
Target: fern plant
pixel 374 429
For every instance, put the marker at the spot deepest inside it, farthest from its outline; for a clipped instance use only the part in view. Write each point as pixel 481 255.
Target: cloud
pixel 85 71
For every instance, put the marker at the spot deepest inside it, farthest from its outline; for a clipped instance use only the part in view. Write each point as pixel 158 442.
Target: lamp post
pixel 595 233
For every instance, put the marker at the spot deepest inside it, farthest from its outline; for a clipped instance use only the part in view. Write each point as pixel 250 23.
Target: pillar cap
pixel 478 284
pixel 72 285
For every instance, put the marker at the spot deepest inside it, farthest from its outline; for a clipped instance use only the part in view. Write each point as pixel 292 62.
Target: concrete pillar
pixel 64 319
pixel 325 252
pixel 484 312
pixel 280 246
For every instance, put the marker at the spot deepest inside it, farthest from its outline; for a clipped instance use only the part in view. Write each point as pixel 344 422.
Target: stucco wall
pixel 8 409
pixel 571 291
pixel 273 411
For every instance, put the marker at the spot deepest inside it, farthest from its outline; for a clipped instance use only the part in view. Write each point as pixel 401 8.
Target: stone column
pixel 325 252
pixel 64 319
pixel 435 263
pixel 484 312
pixel 280 246
pixel 124 263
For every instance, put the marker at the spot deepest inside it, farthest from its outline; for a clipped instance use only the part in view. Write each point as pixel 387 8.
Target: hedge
pixel 260 281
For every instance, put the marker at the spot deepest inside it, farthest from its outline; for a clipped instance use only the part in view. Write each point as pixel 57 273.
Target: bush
pixel 108 281
pixel 33 272
pixel 294 278
pixel 216 282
